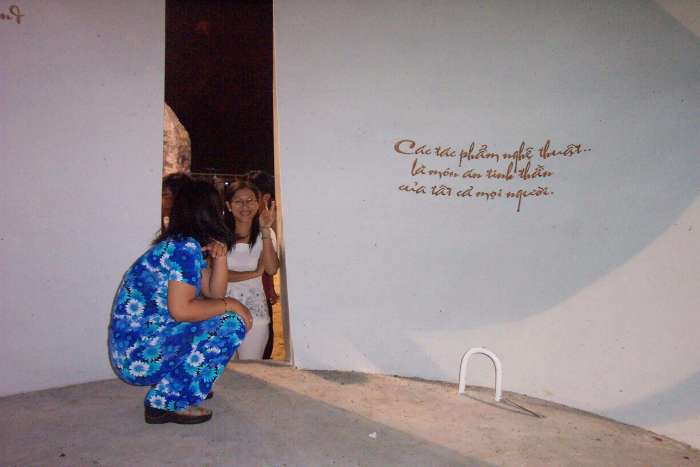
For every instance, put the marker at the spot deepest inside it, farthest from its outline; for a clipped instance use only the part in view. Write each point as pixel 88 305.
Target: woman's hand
pixel 216 249
pixel 247 319
pixel 269 257
pixel 267 214
pixel 273 298
pixel 215 277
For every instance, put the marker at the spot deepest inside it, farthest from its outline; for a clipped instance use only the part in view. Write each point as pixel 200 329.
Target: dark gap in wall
pixel 218 80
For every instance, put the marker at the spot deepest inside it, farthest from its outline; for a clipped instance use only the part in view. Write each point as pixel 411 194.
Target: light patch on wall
pixel 401 274
pixel 624 360
pixel 686 12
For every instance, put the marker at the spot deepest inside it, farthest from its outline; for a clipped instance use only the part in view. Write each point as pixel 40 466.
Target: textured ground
pixel 274 415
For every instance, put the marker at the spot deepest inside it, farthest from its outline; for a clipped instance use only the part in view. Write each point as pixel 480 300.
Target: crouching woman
pixel 172 328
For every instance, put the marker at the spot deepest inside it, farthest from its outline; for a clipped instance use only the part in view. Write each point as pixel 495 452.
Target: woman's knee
pixel 232 325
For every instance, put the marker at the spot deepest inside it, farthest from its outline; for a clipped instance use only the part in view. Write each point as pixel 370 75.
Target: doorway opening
pixel 219 121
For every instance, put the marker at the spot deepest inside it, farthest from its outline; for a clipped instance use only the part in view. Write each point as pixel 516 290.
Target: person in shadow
pixel 266 184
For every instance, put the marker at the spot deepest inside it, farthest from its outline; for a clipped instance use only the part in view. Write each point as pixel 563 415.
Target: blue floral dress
pixel 179 360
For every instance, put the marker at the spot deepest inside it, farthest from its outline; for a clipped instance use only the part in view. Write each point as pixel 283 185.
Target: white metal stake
pixel 496 364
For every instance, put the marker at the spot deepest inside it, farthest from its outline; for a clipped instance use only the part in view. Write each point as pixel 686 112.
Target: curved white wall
pixel 81 93
pixel 589 296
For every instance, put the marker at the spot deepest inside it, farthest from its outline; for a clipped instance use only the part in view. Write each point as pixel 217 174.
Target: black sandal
pixel 155 416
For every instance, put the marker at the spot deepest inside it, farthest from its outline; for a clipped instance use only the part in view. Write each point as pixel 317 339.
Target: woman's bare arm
pixel 270 260
pixel 185 306
pixel 215 278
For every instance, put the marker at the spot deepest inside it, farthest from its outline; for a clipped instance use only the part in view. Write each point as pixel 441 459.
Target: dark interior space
pixel 218 80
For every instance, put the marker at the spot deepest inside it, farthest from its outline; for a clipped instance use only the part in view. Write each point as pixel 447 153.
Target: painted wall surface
pixel 587 288
pixel 81 93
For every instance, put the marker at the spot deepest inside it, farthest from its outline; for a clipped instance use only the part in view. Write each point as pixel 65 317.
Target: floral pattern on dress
pixel 179 360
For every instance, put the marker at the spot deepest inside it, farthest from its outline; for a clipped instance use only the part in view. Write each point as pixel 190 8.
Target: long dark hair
pixel 228 216
pixel 198 213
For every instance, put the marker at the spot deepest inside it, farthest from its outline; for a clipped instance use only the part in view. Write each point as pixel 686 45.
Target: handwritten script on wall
pixel 13 14
pixel 446 172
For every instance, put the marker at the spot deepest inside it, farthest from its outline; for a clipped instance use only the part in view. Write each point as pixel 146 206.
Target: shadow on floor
pixel 255 423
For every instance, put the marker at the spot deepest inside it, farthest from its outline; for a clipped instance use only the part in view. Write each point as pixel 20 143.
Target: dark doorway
pixel 218 80
pixel 219 84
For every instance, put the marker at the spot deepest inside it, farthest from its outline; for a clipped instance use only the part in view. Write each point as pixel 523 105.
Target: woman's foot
pixel 189 416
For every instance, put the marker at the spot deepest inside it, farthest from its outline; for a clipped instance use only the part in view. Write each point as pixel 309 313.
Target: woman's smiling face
pixel 243 205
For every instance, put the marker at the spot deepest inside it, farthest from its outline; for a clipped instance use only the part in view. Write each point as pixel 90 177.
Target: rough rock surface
pixel 177 148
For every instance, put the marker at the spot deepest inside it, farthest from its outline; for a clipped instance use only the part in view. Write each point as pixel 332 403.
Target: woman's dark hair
pixel 174 181
pixel 228 216
pixel 198 213
pixel 263 180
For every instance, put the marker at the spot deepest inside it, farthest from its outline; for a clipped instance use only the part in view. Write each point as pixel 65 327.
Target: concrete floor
pixel 267 414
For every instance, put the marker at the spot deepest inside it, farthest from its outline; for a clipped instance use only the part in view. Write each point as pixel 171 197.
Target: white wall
pixel 590 296
pixel 81 93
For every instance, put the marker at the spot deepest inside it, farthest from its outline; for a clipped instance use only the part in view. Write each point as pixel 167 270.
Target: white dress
pixel 250 293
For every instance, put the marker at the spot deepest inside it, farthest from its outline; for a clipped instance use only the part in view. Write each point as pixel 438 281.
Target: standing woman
pixel 171 326
pixel 254 252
